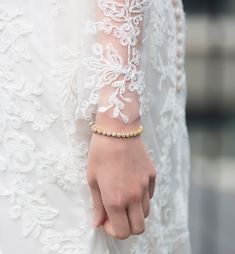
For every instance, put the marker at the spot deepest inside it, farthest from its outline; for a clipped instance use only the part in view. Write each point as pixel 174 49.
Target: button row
pixel 180 44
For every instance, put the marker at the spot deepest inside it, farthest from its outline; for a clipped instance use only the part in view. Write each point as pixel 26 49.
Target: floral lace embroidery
pixel 22 158
pixel 163 32
pixel 107 65
pixel 166 227
pixel 13 32
pixel 63 243
pixel 31 207
pixel 66 72
pixel 26 196
pixel 58 7
pixel 12 36
pixel 66 171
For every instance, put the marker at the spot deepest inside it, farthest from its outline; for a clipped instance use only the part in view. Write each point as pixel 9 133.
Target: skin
pixel 121 179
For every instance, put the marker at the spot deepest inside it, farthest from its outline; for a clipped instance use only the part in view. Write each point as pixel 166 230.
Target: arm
pixel 114 64
pixel 120 173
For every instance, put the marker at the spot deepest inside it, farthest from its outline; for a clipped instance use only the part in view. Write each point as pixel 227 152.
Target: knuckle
pixel 117 203
pixel 136 194
pixel 115 206
pixel 145 182
pixel 97 206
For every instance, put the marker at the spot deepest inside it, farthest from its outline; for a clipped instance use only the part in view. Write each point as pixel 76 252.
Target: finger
pixel 117 224
pixel 108 228
pixel 98 207
pixel 146 204
pixel 152 182
pixel 136 218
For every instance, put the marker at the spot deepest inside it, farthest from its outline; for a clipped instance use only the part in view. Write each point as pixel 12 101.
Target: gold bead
pixel 117 134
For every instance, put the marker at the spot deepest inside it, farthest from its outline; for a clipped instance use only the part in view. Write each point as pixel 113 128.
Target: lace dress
pixel 62 61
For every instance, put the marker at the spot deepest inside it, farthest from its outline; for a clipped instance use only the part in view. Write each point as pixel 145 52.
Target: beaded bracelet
pixel 104 132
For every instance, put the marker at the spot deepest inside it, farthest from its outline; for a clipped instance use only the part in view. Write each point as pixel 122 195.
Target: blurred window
pixel 212 7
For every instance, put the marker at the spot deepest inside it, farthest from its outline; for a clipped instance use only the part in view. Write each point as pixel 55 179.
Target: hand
pixel 121 178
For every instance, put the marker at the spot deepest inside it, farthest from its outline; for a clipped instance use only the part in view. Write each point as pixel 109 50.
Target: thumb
pixel 99 210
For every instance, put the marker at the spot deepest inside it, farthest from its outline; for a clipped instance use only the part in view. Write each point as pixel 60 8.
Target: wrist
pixel 116 145
pixel 115 124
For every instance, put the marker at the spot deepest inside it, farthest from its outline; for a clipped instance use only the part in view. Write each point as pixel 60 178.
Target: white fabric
pixel 52 55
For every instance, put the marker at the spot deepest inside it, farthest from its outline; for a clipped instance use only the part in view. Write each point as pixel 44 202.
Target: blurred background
pixel 210 66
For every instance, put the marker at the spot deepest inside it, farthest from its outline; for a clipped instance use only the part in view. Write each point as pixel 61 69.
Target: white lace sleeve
pixel 115 58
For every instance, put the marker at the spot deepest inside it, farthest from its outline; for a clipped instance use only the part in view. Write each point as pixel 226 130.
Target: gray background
pixel 210 66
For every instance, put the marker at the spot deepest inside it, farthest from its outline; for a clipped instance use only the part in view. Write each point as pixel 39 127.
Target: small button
pixel 179 63
pixel 178 87
pixel 179 26
pixel 179 74
pixel 180 37
pixel 175 2
pixel 180 51
pixel 178 13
